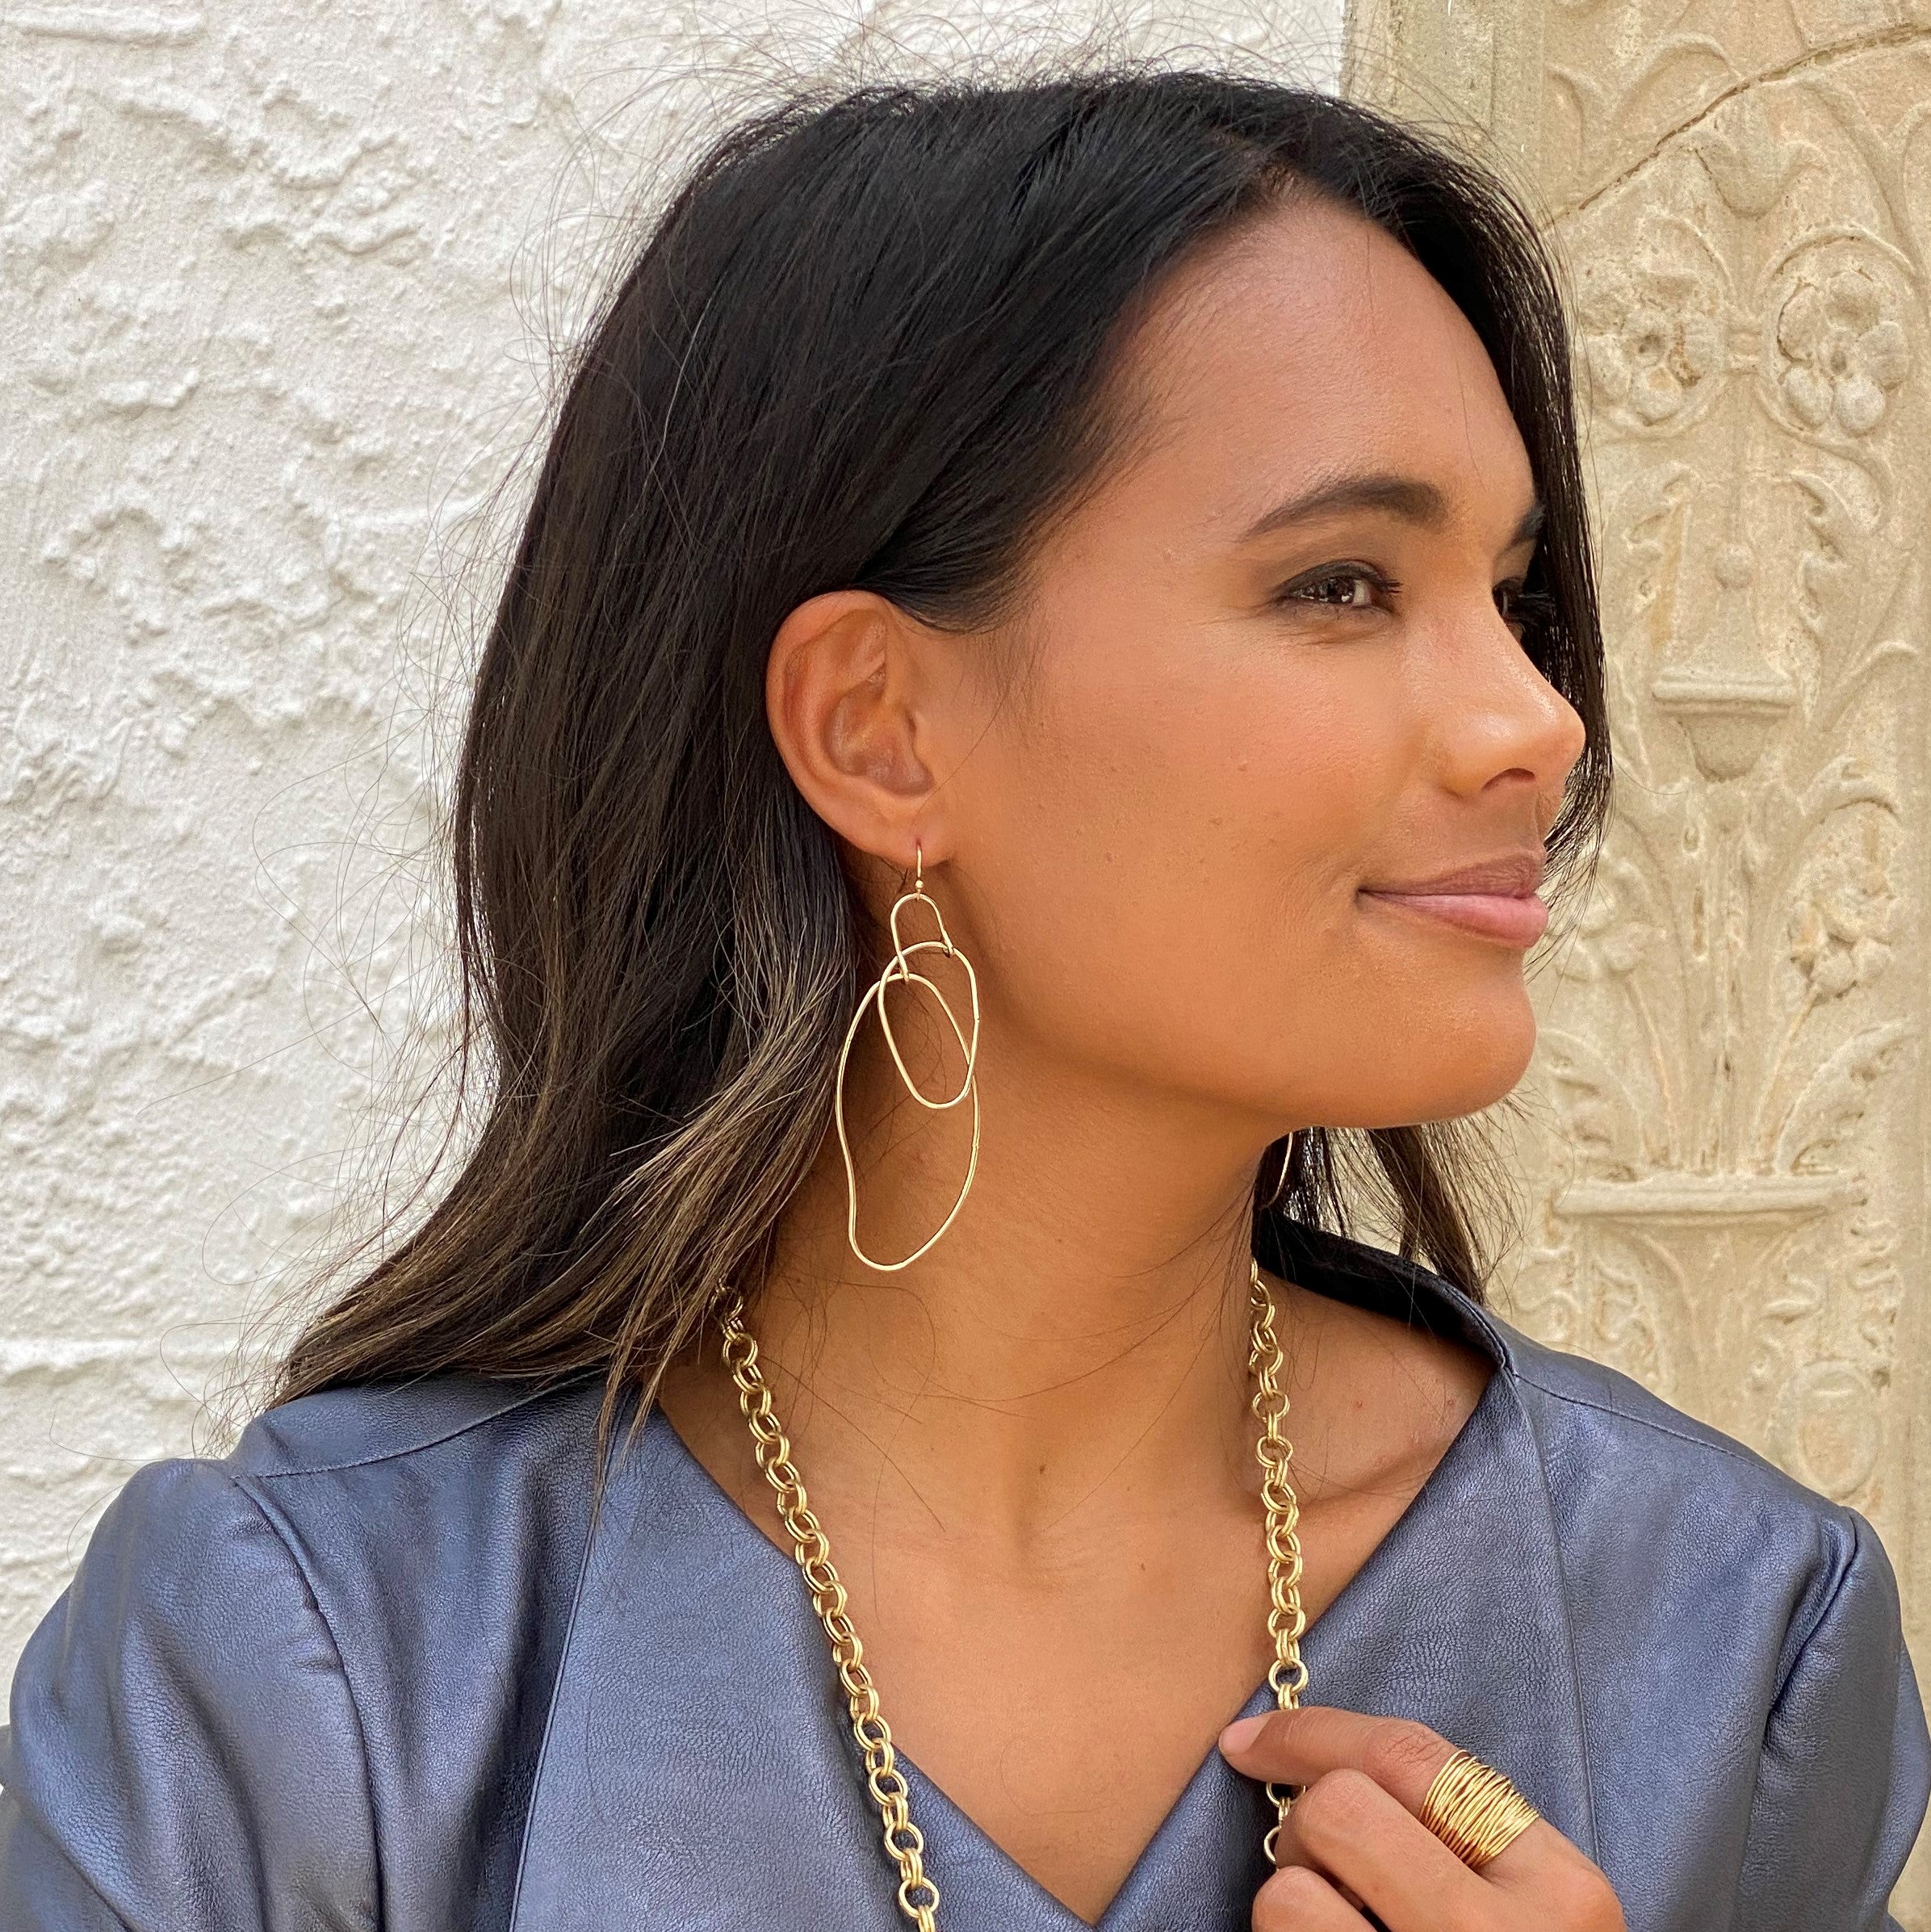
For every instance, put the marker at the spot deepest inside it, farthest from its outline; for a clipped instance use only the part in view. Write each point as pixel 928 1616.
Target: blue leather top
pixel 370 1670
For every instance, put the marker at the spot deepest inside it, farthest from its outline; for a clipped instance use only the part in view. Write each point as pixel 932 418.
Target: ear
pixel 851 686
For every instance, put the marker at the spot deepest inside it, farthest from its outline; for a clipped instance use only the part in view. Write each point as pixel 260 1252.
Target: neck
pixel 1073 1351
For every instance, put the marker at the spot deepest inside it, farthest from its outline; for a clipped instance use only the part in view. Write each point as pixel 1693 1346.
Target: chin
pixel 1462 1065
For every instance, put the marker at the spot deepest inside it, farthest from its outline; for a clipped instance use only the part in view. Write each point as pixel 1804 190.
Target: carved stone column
pixel 1731 1104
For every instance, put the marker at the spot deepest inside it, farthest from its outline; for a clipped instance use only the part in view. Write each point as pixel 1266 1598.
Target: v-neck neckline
pixel 1213 1785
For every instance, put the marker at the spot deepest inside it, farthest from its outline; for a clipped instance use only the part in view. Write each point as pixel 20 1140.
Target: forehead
pixel 1310 342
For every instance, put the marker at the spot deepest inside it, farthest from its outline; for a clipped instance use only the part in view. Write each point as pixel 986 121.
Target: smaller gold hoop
pixel 897 973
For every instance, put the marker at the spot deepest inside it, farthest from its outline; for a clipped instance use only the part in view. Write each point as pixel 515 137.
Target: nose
pixel 1499 721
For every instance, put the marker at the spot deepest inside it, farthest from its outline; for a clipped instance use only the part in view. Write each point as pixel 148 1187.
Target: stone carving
pixel 1729 1098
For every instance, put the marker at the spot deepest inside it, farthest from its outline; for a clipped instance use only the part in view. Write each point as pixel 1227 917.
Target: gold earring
pixel 1280 1187
pixel 897 970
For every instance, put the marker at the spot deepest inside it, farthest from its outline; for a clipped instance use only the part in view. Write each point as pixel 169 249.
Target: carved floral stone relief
pixel 1729 1040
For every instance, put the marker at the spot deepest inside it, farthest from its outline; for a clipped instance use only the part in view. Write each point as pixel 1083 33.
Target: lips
pixel 1495 899
pixel 1512 874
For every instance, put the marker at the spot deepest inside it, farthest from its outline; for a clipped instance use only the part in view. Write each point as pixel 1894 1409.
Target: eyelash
pixel 1531 608
pixel 1357 573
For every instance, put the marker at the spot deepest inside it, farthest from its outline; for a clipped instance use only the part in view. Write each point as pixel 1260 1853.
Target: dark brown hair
pixel 865 345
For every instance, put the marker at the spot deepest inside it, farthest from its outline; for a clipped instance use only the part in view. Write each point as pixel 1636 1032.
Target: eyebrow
pixel 1412 498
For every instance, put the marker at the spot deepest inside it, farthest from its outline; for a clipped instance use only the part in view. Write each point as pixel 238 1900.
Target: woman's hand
pixel 1354 1842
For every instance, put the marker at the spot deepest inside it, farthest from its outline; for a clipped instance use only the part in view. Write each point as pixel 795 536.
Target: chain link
pixel 1287 1675
pixel 904 1844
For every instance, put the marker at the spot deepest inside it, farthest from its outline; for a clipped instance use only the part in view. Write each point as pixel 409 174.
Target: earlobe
pixel 842 685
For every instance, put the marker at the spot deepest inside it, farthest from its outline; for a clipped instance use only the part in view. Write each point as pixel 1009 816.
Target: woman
pixel 1069 604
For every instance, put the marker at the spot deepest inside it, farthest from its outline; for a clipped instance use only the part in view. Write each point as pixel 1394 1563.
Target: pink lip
pixel 1516 919
pixel 1494 897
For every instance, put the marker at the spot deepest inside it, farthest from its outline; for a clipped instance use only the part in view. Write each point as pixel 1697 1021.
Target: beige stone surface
pixel 1727 1139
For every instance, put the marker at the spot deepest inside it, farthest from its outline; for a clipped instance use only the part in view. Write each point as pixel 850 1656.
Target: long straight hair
pixel 868 343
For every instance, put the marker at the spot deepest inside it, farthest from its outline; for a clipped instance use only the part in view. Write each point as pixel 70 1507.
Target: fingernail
pixel 1242 1732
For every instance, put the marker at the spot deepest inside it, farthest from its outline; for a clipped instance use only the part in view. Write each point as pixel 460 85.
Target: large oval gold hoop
pixel 897 970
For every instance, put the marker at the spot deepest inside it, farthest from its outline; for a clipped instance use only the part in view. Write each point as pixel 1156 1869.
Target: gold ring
pixel 1474 1810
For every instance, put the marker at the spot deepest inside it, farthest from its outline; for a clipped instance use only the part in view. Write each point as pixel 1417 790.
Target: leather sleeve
pixel 1845 1771
pixel 184 1753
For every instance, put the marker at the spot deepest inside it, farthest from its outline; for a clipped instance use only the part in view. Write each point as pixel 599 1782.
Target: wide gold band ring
pixel 1474 1810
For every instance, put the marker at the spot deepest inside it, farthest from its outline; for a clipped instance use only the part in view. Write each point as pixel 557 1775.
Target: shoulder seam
pixel 1737 1452
pixel 428 1442
pixel 1568 1626
pixel 1839 1584
pixel 556 1690
pixel 341 1664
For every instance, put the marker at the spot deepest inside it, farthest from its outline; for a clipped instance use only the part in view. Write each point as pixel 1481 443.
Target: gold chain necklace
pixel 918 1896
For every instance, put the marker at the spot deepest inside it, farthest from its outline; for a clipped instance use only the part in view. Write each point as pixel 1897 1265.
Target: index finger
pixel 1402 1756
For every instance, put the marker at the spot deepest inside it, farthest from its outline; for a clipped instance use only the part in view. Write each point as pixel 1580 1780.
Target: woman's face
pixel 1236 723
pixel 1161 845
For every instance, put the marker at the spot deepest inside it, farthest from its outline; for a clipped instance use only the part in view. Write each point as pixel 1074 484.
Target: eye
pixel 1338 587
pixel 1527 612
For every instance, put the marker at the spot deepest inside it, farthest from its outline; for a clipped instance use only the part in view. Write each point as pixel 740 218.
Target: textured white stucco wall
pixel 277 288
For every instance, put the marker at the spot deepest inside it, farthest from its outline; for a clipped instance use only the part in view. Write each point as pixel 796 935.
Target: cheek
pixel 1170 877
pixel 1167 879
